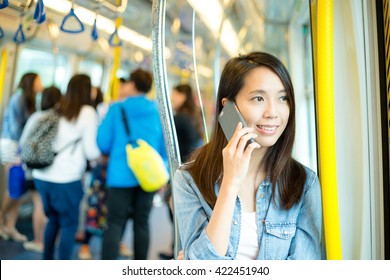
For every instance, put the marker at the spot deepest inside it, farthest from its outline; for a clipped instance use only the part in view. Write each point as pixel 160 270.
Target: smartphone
pixel 229 118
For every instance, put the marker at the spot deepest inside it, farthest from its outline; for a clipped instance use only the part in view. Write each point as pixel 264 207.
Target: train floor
pixel 160 236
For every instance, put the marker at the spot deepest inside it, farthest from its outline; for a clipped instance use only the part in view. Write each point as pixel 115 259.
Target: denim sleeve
pixel 306 244
pixel 17 119
pixel 190 211
pixel 105 133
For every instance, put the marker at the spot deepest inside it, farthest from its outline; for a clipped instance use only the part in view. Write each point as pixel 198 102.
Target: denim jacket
pixel 15 117
pixel 282 234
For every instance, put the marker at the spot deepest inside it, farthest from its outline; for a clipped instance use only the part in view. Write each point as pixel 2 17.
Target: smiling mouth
pixel 269 128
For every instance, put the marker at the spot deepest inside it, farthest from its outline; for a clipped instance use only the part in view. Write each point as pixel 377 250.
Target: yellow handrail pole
pixel 3 67
pixel 114 81
pixel 326 128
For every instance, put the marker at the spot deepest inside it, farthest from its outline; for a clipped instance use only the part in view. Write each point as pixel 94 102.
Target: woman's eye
pixel 258 98
pixel 284 98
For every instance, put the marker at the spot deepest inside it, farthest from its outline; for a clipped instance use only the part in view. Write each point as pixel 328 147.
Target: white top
pixel 70 164
pixel 248 248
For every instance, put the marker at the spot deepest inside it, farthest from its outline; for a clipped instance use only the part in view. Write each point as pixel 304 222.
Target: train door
pixel 217 31
pixel 357 214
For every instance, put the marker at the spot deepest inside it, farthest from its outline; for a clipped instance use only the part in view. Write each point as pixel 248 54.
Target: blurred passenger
pixel 235 200
pixel 19 109
pixel 60 184
pixel 93 205
pixel 188 120
pixel 124 191
pixel 102 106
pixel 96 97
pixel 123 89
pixel 93 208
pixel 50 98
pixel 189 132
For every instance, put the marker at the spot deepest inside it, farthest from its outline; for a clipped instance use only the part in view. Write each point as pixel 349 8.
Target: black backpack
pixel 37 151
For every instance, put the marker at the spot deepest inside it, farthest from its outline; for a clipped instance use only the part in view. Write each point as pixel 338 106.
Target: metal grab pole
pixel 162 90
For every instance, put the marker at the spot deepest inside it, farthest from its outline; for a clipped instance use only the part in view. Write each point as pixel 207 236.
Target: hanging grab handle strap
pixel 114 40
pixel 3 4
pixel 94 33
pixel 40 12
pixel 19 35
pixel 67 18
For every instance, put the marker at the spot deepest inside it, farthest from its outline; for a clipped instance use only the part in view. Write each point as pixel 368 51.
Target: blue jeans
pixel 61 203
pixel 120 200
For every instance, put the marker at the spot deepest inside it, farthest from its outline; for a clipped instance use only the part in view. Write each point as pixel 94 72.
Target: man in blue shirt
pixel 124 191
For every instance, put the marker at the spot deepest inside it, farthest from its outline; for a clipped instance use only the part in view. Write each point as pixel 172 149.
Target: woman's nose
pixel 270 110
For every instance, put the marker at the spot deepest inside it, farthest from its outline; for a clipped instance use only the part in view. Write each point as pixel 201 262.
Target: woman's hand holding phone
pixel 236 160
pixel 237 155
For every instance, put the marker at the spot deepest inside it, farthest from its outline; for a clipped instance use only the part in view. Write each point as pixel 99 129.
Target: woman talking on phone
pixel 235 200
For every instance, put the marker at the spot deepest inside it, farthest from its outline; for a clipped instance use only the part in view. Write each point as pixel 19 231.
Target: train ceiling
pixel 258 24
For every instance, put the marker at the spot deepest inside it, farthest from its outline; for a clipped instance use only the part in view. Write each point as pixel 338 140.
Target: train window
pixel 94 69
pixel 309 93
pixel 52 69
pixel 202 38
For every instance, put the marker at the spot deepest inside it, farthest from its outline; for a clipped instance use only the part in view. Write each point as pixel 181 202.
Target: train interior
pixel 109 38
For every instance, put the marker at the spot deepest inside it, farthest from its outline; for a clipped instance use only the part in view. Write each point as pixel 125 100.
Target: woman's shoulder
pixel 87 109
pixel 87 113
pixel 183 177
pixel 86 116
pixel 16 99
pixel 311 178
pixel 185 184
pixel 183 173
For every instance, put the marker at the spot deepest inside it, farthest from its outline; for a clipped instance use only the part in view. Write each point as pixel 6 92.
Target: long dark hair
pixel 206 164
pixel 26 84
pixel 189 107
pixel 77 95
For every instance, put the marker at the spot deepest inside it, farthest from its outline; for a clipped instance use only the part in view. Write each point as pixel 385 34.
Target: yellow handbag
pixel 146 163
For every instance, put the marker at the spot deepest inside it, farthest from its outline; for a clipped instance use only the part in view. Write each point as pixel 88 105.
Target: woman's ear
pixel 223 101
